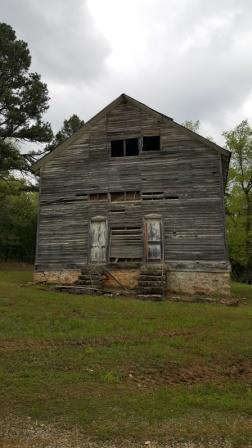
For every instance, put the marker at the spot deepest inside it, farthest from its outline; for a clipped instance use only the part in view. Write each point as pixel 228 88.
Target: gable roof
pixel 123 98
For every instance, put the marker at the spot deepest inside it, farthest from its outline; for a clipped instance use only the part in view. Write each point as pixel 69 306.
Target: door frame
pixel 97 218
pixel 158 217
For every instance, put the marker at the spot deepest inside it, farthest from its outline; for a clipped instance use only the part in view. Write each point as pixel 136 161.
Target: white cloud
pixel 190 59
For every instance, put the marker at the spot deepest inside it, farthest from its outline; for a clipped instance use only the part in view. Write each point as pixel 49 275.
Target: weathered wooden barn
pixel 134 200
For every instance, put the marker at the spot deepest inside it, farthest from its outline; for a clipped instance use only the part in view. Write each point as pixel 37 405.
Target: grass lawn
pixel 123 371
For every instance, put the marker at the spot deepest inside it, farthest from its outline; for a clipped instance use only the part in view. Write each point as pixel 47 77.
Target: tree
pixel 239 141
pixel 192 125
pixel 18 216
pixel 70 126
pixel 236 232
pixel 23 101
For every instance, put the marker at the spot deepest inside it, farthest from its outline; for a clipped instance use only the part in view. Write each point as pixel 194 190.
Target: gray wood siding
pixel 193 223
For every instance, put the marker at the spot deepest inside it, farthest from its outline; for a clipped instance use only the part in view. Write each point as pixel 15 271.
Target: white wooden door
pixel 153 239
pixel 98 243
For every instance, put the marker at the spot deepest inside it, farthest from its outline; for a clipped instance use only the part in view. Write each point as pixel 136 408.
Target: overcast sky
pixel 190 59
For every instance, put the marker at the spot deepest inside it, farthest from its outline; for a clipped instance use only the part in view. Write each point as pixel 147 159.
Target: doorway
pixel 153 238
pixel 98 239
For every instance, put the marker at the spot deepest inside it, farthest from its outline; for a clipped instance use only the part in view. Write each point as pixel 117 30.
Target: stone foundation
pixel 199 283
pixel 65 277
pixel 185 283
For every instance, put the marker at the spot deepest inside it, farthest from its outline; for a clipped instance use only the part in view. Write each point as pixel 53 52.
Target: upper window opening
pixel 151 143
pixel 131 147
pixel 117 148
pixel 124 148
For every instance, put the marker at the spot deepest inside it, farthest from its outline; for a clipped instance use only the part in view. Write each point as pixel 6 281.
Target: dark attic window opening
pixel 131 147
pixel 117 148
pixel 151 143
pixel 124 148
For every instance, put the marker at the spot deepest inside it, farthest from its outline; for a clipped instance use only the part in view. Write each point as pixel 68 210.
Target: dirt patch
pixel 17 344
pixel 172 374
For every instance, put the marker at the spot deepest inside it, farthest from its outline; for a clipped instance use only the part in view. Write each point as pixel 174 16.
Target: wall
pixel 186 171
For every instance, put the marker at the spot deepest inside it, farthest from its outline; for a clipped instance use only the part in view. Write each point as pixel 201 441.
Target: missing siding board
pixel 117 196
pixel 125 260
pixel 171 197
pixel 151 143
pixel 122 196
pixel 152 196
pixel 82 196
pixel 157 196
pixel 133 195
pixel 98 197
pixel 117 210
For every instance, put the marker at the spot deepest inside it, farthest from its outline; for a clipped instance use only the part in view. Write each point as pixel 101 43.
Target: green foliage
pixel 195 127
pixel 236 226
pixel 18 215
pixel 239 200
pixel 192 125
pixel 70 126
pixel 23 101
pixel 239 141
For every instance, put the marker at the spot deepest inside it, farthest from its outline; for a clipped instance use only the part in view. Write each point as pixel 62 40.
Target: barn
pixel 134 201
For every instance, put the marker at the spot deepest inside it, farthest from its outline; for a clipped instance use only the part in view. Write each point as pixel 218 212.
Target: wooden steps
pixel 90 280
pixel 151 281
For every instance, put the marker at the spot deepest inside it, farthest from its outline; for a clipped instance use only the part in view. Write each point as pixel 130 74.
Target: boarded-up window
pixel 153 238
pixel 98 239
pixel 126 244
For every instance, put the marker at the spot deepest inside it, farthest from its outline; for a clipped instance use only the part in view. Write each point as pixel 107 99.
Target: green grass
pixel 124 369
